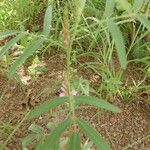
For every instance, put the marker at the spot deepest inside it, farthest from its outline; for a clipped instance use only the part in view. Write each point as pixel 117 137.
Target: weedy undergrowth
pixel 20 14
pixel 108 26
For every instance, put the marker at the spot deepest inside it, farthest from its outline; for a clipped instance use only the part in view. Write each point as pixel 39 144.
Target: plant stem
pixel 68 47
pixel 68 80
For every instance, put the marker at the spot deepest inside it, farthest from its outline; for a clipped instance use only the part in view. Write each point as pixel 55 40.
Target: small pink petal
pixel 62 94
pixel 74 92
pixel 63 89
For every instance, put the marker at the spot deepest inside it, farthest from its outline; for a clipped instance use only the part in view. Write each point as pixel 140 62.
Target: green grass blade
pixel 11 43
pixel 28 51
pixel 94 136
pixel 46 106
pixel 74 142
pixel 47 21
pixel 4 34
pixel 137 5
pixel 56 133
pixel 109 8
pixel 90 100
pixel 119 43
pixel 144 21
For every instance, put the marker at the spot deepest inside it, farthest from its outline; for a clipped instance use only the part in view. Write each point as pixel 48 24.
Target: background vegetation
pixel 105 37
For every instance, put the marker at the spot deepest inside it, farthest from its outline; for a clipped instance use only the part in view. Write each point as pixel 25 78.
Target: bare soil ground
pixel 129 130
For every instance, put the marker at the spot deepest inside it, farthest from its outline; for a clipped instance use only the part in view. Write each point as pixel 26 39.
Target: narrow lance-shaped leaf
pixel 56 145
pixel 90 100
pixel 79 6
pixel 137 5
pixel 27 140
pixel 74 142
pixel 27 52
pixel 11 43
pixel 4 34
pixel 47 21
pixel 144 21
pixel 119 43
pixel 56 133
pixel 46 106
pixel 39 145
pixel 109 8
pixel 94 136
pixel 36 129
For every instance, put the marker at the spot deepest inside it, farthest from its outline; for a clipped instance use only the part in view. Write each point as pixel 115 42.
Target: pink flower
pixel 63 92
pixel 74 92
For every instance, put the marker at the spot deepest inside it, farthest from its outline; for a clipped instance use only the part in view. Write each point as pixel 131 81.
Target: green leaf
pixel 119 43
pixel 90 100
pixel 74 142
pixel 109 8
pixel 144 21
pixel 94 136
pixel 47 21
pixel 138 51
pixel 137 5
pixel 56 145
pixel 124 5
pixel 36 129
pixel 58 131
pixel 50 126
pixel 28 51
pixel 46 106
pixel 4 34
pixel 11 43
pixel 27 140
pixel 39 145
